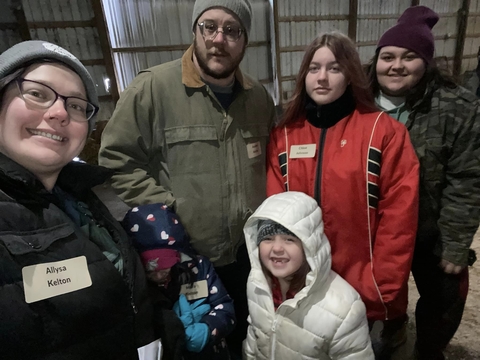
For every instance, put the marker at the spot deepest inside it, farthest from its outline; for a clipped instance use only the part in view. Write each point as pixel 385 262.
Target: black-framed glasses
pixel 210 30
pixel 43 96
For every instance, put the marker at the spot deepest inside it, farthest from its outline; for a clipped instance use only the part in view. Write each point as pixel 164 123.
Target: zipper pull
pixel 274 325
pixel 134 307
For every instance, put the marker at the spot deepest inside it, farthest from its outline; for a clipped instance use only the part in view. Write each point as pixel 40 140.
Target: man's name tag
pixel 302 151
pixel 197 290
pixel 254 150
pixel 44 281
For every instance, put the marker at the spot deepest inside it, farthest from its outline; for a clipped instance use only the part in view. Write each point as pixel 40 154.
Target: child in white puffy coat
pixel 299 308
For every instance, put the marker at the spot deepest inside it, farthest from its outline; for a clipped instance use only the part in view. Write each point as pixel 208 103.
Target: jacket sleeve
pixel 397 213
pixel 352 339
pixel 460 201
pixel 249 344
pixel 221 319
pixel 130 145
pixel 275 179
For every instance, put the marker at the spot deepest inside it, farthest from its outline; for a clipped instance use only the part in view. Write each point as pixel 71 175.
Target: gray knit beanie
pixel 28 51
pixel 241 8
pixel 267 228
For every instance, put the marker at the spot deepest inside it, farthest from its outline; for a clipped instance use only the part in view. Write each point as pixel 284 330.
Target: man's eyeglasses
pixel 43 96
pixel 210 30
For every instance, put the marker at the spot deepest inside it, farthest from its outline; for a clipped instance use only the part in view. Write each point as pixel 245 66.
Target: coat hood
pixel 154 227
pixel 301 215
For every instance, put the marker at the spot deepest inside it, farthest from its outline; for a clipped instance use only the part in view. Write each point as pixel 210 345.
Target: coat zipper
pixel 274 337
pixel 318 177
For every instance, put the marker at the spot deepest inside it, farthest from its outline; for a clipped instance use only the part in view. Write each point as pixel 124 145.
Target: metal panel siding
pixel 294 34
pixel 57 10
pixel 153 23
pixel 8 38
pixel 83 42
pixel 6 14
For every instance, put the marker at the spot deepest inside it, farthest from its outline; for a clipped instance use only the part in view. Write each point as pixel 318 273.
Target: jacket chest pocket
pixel 36 241
pixel 255 139
pixel 433 159
pixel 192 149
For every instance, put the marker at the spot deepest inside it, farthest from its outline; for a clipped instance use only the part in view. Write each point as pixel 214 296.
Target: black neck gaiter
pixel 325 116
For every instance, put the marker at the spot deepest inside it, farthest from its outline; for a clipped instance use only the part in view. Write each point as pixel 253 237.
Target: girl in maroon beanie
pixel 443 122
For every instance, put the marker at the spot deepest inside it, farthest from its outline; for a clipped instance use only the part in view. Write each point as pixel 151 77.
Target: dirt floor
pixel 464 346
pixel 466 343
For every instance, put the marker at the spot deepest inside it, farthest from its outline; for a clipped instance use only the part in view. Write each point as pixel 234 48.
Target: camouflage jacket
pixel 445 130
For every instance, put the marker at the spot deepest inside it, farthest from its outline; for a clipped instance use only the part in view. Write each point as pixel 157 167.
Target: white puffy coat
pixel 327 318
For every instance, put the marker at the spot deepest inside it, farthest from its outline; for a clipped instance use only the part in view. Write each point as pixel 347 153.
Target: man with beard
pixel 192 134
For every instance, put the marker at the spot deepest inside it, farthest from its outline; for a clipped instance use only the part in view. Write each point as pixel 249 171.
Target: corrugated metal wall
pixel 71 25
pixel 299 22
pixel 374 18
pixel 151 32
pixel 9 34
pixel 145 33
pixel 472 40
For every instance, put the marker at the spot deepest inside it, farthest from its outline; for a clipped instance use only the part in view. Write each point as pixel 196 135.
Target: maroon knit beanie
pixel 413 31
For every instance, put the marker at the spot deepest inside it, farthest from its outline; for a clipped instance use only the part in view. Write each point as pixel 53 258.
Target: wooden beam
pixel 105 98
pixel 352 20
pixel 312 18
pixel 293 48
pixel 278 64
pixel 156 48
pixel 8 26
pixel 395 17
pixel 178 47
pixel 461 34
pixel 19 14
pixel 60 24
pixel 101 25
pixel 438 37
pixel 91 62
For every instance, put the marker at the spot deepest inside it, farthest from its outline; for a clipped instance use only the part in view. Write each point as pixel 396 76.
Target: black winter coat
pixel 107 320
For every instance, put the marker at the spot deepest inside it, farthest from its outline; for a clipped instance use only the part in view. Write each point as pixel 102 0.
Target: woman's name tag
pixel 197 290
pixel 44 281
pixel 302 151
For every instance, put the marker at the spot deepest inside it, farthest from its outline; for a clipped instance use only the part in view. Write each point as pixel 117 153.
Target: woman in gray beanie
pixel 444 125
pixel 71 286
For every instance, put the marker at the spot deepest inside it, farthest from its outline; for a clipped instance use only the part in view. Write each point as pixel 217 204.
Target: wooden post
pixel 277 51
pixel 19 14
pixel 352 20
pixel 106 48
pixel 462 19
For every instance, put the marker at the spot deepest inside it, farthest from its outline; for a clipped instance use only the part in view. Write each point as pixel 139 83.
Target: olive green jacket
pixel 445 130
pixel 169 140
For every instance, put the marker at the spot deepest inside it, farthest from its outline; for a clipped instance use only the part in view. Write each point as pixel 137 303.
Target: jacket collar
pixel 75 177
pixel 191 77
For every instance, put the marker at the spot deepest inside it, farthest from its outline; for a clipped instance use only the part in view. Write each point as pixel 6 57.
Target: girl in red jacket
pixel 358 163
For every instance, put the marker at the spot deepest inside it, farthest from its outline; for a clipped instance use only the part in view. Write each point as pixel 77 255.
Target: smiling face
pixel 218 59
pixel 42 140
pixel 282 255
pixel 398 70
pixel 325 82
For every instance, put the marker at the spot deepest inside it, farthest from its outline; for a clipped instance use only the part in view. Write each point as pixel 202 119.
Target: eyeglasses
pixel 43 96
pixel 210 30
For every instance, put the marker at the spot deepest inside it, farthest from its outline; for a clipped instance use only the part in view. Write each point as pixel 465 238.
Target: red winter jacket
pixel 364 173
